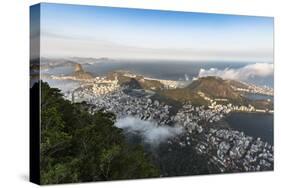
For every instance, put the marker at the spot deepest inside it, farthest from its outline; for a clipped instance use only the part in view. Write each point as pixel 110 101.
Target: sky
pixel 91 31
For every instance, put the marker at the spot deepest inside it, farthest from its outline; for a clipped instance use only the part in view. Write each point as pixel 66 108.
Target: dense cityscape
pixel 227 149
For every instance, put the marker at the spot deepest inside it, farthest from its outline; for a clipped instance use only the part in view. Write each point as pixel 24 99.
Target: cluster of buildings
pixel 234 151
pixel 127 105
pixel 70 77
pixel 96 87
pixel 229 107
pixel 190 116
pixel 227 150
pixel 251 88
pixel 102 86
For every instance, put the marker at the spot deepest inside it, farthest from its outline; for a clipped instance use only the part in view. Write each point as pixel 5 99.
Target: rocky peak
pixel 78 68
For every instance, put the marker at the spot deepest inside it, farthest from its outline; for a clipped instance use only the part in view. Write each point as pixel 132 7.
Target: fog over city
pixel 149 130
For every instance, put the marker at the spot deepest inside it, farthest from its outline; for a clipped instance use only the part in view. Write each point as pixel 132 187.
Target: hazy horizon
pixel 92 31
pixel 121 33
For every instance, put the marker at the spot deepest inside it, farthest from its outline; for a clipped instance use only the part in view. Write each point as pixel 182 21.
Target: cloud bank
pixel 249 71
pixel 150 132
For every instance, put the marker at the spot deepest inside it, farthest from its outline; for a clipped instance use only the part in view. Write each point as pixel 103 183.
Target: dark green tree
pixel 77 146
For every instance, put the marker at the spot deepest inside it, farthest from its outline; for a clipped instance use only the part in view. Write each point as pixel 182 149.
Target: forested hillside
pixel 77 146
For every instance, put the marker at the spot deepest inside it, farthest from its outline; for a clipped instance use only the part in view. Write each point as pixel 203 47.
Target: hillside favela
pixel 131 93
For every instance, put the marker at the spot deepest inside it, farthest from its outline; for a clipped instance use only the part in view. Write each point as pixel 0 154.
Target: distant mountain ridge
pixel 71 61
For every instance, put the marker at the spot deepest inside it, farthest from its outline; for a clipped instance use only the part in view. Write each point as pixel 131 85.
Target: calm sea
pixel 253 96
pixel 171 70
pixel 253 124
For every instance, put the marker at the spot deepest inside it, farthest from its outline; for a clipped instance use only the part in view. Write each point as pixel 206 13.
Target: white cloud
pixel 150 131
pixel 244 73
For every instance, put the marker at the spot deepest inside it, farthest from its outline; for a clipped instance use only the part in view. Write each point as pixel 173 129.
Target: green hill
pixel 137 82
pixel 77 146
pixel 216 87
pixel 213 87
pixel 183 95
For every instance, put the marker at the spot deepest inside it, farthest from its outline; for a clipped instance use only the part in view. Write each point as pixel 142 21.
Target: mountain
pixel 50 63
pixel 90 60
pixel 183 95
pixel 78 68
pixel 79 73
pixel 215 87
pixel 212 87
pixel 133 81
pixel 237 84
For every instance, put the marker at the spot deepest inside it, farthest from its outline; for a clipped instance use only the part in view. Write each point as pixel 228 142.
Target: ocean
pixel 253 124
pixel 170 70
pixel 253 96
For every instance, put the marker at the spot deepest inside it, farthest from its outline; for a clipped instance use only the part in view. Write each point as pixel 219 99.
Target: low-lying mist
pixel 150 132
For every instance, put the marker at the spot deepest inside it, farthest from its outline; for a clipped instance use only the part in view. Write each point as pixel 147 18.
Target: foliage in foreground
pixel 77 146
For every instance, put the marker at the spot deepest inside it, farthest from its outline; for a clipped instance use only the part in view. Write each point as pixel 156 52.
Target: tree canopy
pixel 77 146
